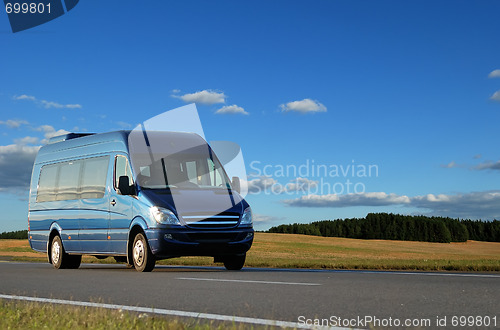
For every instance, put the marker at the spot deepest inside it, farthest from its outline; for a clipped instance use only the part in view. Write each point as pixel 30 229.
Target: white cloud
pixel 231 109
pixel 474 205
pixel 262 222
pixel 489 165
pixel 27 140
pixel 203 97
pixel 50 104
pixel 73 106
pixel 47 104
pixel 360 199
pixel 494 74
pixel 25 97
pixel 304 106
pixel 495 96
pixel 16 163
pixel 16 160
pixel 265 218
pixel 261 184
pixel 47 130
pixel 14 123
pixel 478 156
pixel 267 183
pixel 451 164
pixel 300 185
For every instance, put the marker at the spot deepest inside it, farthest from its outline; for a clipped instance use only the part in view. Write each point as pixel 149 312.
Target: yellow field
pixel 300 251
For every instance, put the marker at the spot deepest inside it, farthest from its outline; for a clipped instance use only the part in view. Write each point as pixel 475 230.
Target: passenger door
pixel 120 208
pixel 94 207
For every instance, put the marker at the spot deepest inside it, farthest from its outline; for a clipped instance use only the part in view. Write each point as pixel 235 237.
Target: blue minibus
pixel 136 196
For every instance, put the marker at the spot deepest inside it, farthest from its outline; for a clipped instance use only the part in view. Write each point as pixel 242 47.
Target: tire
pixel 74 261
pixel 59 258
pixel 142 257
pixel 235 262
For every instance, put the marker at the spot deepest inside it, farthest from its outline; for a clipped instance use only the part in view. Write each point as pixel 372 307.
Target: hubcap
pixel 139 253
pixel 56 252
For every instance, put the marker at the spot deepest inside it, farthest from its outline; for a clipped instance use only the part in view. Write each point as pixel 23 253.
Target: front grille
pixel 213 237
pixel 221 220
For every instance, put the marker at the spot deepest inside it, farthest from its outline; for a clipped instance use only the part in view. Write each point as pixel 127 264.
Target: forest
pixel 391 226
pixel 20 234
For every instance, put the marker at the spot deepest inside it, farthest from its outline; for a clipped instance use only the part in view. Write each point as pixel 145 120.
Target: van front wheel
pixel 144 260
pixel 235 262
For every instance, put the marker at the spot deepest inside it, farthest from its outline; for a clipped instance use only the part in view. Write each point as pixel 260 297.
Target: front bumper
pixel 170 243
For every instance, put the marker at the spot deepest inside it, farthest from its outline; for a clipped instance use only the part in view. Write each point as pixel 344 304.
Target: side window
pixel 93 183
pixel 204 177
pixel 191 171
pixel 69 175
pixel 78 179
pixel 215 175
pixel 47 183
pixel 122 168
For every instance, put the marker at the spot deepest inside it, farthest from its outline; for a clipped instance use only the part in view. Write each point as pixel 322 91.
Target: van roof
pixel 70 144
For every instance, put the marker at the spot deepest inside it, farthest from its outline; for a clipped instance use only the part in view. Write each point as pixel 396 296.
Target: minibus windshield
pixel 182 171
pixel 177 161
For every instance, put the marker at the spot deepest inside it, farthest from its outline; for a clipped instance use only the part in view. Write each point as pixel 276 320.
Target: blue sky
pixel 407 87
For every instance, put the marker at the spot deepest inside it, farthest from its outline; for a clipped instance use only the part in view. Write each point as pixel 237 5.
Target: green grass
pixel 31 315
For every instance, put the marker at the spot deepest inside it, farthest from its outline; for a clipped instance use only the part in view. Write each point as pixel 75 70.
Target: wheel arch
pixel 138 225
pixel 55 230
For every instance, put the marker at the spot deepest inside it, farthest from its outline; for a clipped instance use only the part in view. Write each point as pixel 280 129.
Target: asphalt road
pixel 265 293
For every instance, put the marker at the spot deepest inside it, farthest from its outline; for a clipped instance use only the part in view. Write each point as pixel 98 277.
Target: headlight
pixel 246 218
pixel 164 216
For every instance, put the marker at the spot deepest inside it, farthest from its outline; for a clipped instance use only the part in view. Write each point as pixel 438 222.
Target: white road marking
pixel 215 317
pixel 427 274
pixel 244 281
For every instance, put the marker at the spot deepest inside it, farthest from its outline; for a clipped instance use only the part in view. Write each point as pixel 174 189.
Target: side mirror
pixel 236 184
pixel 124 186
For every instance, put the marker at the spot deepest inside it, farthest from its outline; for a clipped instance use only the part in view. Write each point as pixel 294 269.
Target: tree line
pixel 20 234
pixel 391 226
